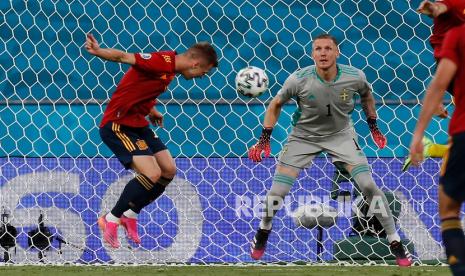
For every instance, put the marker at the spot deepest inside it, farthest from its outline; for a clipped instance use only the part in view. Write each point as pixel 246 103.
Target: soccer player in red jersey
pixel 125 130
pixel 446 14
pixel 452 181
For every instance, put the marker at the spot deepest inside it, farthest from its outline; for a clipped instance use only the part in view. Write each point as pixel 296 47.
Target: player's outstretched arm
pixel 369 107
pixel 446 70
pixel 263 144
pixel 431 9
pixel 115 55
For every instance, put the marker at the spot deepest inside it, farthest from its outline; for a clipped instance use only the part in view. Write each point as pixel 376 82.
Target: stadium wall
pixel 207 215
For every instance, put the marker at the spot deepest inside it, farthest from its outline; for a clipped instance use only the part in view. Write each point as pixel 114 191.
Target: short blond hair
pixel 205 51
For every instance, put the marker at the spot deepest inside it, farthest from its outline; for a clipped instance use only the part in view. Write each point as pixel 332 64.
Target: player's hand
pixel 91 45
pixel 255 152
pixel 379 139
pixel 156 118
pixel 441 112
pixel 428 8
pixel 416 150
pixel 263 145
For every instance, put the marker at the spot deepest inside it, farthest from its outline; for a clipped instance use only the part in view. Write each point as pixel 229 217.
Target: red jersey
pixel 137 91
pixel 455 16
pixel 453 48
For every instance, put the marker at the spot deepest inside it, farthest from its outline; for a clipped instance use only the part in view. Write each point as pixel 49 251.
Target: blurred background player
pixel 446 14
pixel 125 130
pixel 322 123
pixel 452 179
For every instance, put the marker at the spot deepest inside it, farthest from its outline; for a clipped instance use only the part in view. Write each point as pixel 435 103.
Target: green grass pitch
pixel 224 270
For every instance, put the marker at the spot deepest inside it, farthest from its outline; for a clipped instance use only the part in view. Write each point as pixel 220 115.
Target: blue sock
pixel 136 189
pixel 156 191
pixel 454 242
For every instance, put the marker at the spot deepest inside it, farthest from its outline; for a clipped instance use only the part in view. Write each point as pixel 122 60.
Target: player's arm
pixel 434 95
pixel 289 90
pixel 115 55
pixel 155 117
pixel 368 104
pixel 271 117
pixel 432 9
pixel 369 108
pixel 272 112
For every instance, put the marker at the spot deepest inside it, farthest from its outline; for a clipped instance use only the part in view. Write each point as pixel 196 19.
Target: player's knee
pixel 448 207
pixel 154 176
pixel 369 187
pixel 362 176
pixel 169 172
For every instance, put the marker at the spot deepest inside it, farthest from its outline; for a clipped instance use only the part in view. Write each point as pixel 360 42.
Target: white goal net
pixel 57 176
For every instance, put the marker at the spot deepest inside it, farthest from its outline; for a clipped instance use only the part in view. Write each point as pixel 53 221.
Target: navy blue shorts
pixel 452 171
pixel 126 142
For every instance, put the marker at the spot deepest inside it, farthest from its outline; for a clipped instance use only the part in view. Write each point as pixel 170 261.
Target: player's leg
pixel 132 152
pixel 291 161
pixel 361 174
pixel 452 233
pixel 168 171
pixel 344 147
pixel 167 166
pixel 283 180
pixel 451 196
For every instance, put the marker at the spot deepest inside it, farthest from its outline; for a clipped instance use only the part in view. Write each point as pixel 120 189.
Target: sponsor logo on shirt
pixel 145 56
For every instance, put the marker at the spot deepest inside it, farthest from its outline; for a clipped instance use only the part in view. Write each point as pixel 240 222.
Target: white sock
pixel 130 214
pixel 265 226
pixel 393 237
pixel 111 218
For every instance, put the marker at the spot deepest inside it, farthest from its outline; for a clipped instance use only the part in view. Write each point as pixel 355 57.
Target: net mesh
pixel 58 177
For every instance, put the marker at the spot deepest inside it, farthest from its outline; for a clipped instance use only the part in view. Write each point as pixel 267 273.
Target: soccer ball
pixel 309 216
pixel 251 81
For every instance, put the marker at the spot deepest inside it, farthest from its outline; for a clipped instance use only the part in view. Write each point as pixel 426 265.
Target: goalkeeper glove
pixel 377 136
pixel 263 145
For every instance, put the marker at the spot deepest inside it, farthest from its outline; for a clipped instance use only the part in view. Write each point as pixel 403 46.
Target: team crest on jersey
pixel 345 94
pixel 142 145
pixel 145 56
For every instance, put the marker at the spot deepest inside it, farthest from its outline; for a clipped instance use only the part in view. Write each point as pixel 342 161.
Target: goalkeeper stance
pixel 325 96
pixel 125 130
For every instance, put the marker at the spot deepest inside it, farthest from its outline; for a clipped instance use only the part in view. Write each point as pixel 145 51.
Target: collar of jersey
pixel 338 75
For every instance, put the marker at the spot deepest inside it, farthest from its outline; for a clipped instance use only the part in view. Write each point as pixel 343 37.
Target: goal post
pixel 57 176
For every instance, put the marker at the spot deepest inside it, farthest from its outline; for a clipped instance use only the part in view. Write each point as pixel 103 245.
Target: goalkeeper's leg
pixel 362 176
pixel 282 182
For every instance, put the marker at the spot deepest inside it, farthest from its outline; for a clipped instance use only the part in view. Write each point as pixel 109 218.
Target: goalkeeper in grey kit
pixel 325 96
